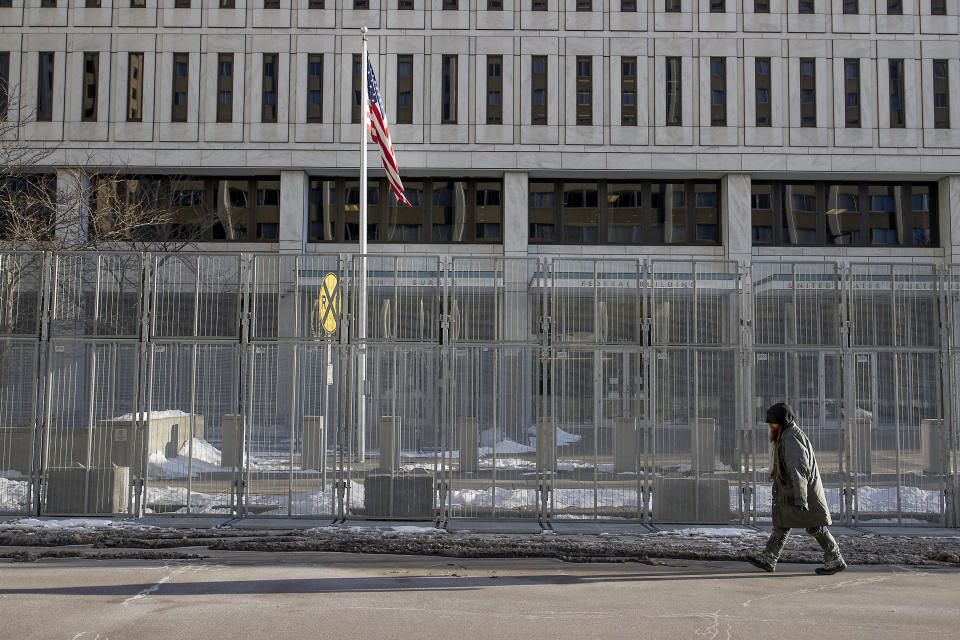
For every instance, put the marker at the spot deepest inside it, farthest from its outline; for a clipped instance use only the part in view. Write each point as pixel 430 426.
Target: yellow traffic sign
pixel 330 303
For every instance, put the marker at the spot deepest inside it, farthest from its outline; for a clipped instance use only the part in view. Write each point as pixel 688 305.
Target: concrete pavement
pixel 235 595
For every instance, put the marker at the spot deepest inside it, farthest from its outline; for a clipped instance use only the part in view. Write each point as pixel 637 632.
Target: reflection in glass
pixel 843 214
pixel 800 213
pixel 761 206
pixel 886 214
pixel 406 223
pixel 542 211
pixel 351 211
pixel 921 210
pixel 489 211
pixel 449 205
pixel 669 205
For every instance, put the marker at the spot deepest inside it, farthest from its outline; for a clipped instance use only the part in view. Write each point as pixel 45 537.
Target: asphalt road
pixel 240 595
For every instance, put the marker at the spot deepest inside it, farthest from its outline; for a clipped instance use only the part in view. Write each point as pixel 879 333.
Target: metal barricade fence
pixel 473 387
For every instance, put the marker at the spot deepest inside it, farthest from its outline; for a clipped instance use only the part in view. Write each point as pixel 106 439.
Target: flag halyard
pixel 376 122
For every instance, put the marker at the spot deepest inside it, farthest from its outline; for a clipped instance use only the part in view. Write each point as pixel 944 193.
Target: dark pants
pixel 778 539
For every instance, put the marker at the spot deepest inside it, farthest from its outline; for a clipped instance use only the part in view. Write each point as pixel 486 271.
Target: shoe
pixel 829 571
pixel 760 563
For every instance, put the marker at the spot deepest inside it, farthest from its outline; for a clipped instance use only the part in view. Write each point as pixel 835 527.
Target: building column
pixel 735 222
pixel 948 215
pixel 72 208
pixel 294 203
pixel 515 226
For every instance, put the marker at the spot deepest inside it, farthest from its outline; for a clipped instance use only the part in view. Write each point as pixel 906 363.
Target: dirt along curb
pixel 23 542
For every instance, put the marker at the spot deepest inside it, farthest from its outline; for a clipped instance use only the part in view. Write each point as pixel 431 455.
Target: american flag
pixel 380 130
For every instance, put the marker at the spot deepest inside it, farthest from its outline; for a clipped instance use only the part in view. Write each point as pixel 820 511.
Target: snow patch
pixel 13 494
pixel 150 415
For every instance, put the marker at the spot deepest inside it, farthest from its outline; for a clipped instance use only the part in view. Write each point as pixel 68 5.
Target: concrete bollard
pixel 933 447
pixel 546 445
pixel 859 446
pixel 231 446
pixel 469 445
pixel 704 457
pixel 389 444
pixel 313 443
pixel 691 499
pixel 624 445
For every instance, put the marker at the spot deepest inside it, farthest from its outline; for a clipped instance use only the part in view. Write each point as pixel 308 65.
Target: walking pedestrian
pixel 798 498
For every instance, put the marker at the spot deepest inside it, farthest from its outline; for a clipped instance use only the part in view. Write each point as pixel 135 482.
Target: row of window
pixel 457 210
pixel 893 7
pixel 538 80
pixel 848 213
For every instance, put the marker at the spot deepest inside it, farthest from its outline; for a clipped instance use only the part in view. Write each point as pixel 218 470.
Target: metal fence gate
pixel 427 387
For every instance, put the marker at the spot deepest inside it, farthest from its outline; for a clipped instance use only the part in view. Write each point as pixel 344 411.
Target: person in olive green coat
pixel 798 498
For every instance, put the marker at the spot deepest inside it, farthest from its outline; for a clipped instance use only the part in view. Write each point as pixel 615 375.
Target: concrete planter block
pixel 691 499
pixel 163 436
pixel 546 445
pixel 16 449
pixel 87 490
pixel 469 430
pixel 625 445
pixel 934 451
pixel 389 444
pixel 392 496
pixel 313 445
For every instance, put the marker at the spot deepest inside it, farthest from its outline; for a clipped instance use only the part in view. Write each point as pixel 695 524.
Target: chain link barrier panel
pixel 431 388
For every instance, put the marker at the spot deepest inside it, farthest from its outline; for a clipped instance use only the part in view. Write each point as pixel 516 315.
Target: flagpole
pixel 362 320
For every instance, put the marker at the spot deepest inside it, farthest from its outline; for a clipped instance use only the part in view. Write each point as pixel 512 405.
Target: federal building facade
pixel 595 127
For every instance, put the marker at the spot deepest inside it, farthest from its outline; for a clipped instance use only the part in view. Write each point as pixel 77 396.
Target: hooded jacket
pixel 796 482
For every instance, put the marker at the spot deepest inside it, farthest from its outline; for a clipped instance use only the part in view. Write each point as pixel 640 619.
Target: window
pixel 91 72
pixel 316 4
pixel 630 212
pixel 628 91
pixel 448 90
pixel 315 87
pixel 941 95
pixel 356 90
pixel 181 4
pixel 584 5
pixel 718 92
pixel 138 4
pixel 761 6
pixel 808 92
pixel 761 211
pixel 673 95
pixel 898 118
pixel 450 5
pixel 762 79
pixel 538 5
pixel 5 4
pixel 938 7
pixel 268 107
pixel 851 89
pixel 718 6
pixel 538 90
pixel 405 89
pixel 445 210
pixel 225 87
pixel 894 7
pixel 805 6
pixel 494 89
pixel 851 7
pixel 271 4
pixel 580 213
pixel 134 87
pixel 405 5
pixel 48 4
pixel 671 6
pixel 628 6
pixel 584 90
pixel 4 83
pixel 858 214
pixel 228 4
pixel 92 4
pixel 45 87
pixel 494 5
pixel 181 70
pixel 361 5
